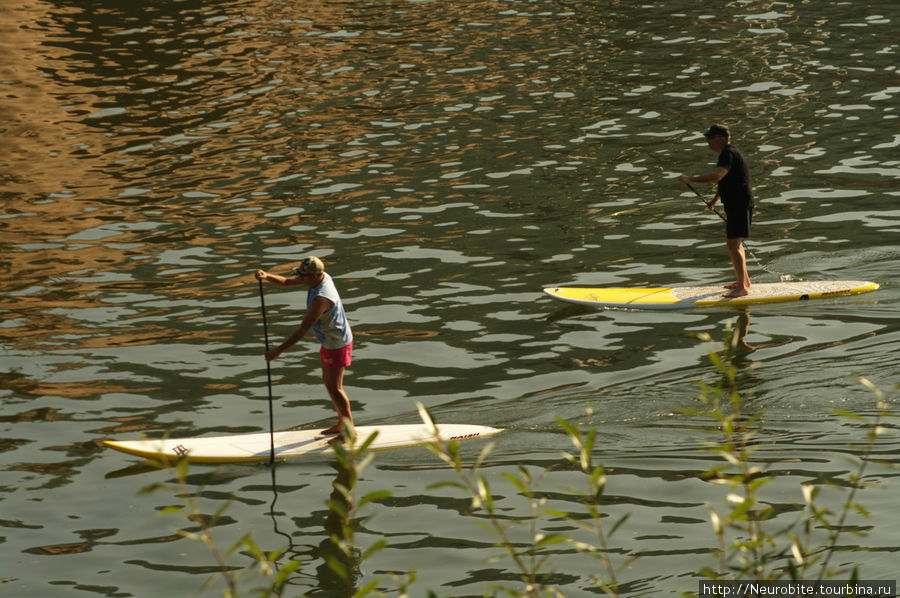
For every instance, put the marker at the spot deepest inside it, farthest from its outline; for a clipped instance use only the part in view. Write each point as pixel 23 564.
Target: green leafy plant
pixel 806 556
pixel 340 554
pixel 532 559
pixel 747 546
pixel 529 560
pixel 592 498
pixel 262 563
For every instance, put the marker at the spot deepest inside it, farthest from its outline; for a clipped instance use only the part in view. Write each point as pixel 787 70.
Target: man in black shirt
pixel 733 179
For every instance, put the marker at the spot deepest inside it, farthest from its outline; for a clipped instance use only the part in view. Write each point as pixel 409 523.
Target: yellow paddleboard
pixel 288 444
pixel 675 297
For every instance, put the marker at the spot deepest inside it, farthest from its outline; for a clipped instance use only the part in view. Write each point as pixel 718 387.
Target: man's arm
pixel 710 177
pixel 319 306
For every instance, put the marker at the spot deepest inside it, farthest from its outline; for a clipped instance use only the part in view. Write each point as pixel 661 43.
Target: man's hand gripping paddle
pixel 784 277
pixel 708 205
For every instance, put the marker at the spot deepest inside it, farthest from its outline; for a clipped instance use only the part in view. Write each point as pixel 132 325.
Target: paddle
pixel 262 301
pixel 708 205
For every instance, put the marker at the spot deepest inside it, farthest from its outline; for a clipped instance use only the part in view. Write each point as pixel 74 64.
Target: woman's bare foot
pixel 335 429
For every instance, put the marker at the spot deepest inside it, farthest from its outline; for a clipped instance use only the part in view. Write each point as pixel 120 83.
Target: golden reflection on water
pixel 157 154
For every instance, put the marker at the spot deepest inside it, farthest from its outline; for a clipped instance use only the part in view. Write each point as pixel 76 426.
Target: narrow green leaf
pixel 847 414
pixel 550 540
pixel 373 496
pixel 426 418
pixel 516 482
pixel 375 547
pixel 619 523
pixel 366 589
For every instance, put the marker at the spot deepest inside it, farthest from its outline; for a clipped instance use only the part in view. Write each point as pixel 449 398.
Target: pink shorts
pixel 336 358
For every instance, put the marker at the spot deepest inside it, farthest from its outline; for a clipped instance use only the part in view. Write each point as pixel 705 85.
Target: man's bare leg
pixel 741 286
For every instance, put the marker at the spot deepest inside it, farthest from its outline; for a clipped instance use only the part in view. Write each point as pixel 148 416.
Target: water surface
pixel 447 160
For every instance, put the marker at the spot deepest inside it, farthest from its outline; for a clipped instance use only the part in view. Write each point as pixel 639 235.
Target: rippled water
pixel 447 160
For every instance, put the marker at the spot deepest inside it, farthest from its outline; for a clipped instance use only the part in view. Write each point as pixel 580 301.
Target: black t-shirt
pixel 734 186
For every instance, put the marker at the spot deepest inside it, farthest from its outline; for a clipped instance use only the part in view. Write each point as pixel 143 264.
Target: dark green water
pixel 447 160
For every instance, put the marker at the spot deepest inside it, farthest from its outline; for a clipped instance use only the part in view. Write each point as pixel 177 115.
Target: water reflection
pixel 338 568
pixel 335 559
pixel 741 329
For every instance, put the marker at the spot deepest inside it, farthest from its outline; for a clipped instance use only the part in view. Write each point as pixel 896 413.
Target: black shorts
pixel 737 223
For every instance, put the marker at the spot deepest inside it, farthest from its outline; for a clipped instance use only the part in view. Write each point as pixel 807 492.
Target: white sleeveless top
pixel 332 330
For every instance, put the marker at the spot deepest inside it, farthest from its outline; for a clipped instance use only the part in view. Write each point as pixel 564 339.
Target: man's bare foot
pixel 733 285
pixel 736 292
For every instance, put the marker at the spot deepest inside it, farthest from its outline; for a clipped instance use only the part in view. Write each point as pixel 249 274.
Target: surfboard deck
pixel 288 444
pixel 700 296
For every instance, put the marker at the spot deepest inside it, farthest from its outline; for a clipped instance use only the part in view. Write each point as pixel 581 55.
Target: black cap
pixel 717 131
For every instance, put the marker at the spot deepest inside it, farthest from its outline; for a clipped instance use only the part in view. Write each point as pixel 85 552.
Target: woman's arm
pixel 318 307
pixel 283 281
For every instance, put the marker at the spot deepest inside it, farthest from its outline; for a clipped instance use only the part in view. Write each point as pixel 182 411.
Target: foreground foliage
pixel 749 544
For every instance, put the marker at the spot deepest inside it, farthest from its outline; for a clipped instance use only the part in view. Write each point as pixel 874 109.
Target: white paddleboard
pixel 288 444
pixel 676 297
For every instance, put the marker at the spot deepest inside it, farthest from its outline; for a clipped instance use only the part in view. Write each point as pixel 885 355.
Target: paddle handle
pixel 262 301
